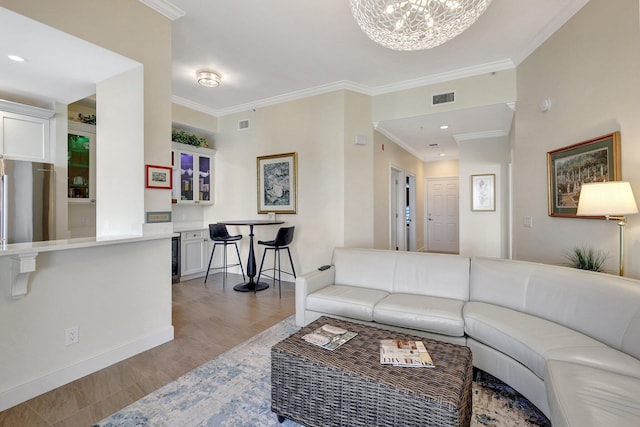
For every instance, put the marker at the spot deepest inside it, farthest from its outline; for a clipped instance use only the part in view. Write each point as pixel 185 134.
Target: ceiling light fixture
pixel 415 24
pixel 16 58
pixel 443 127
pixel 209 79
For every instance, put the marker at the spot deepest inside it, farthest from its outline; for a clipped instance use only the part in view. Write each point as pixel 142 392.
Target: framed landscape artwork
pixel 278 183
pixel 159 177
pixel 596 160
pixel 483 193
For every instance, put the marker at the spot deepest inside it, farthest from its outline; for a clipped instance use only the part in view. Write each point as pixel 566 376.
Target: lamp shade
pixel 613 198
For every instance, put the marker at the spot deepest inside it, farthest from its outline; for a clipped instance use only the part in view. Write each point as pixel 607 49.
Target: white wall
pixel 121 308
pixel 118 295
pixel 484 233
pixel 442 169
pixel 484 89
pixel 590 69
pixel 120 155
pixel 314 128
pixel 358 172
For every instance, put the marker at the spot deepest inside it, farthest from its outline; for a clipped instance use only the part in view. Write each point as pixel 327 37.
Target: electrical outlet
pixel 71 335
pixel 527 222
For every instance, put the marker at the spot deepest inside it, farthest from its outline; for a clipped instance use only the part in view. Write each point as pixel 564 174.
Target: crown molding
pixel 393 138
pixel 28 110
pixel 490 67
pixel 293 96
pixel 165 8
pixel 506 64
pixel 559 20
pixel 194 105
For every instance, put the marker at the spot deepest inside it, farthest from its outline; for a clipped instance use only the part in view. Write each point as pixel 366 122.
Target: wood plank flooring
pixel 207 320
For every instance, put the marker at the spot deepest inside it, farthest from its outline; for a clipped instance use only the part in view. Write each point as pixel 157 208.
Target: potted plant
pixel 585 258
pixel 187 138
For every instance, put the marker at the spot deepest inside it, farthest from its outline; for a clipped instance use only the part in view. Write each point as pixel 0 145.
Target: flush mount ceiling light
pixel 415 24
pixel 15 58
pixel 209 79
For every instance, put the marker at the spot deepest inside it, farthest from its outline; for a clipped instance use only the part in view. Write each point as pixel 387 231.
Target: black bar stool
pixel 220 236
pixel 281 242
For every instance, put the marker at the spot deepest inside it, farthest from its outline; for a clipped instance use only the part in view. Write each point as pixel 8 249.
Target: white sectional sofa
pixel 567 339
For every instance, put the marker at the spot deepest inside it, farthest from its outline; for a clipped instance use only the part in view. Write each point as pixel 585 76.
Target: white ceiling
pixel 270 51
pixel 277 50
pixel 58 67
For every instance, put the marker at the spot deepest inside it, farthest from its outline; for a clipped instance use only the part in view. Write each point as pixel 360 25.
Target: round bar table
pixel 251 286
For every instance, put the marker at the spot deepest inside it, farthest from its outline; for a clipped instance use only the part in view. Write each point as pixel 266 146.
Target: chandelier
pixel 415 24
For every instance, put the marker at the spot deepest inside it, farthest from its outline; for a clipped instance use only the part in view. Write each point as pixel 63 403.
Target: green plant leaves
pixel 187 138
pixel 585 258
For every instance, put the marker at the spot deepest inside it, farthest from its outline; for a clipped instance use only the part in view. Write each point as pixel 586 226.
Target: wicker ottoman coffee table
pixel 349 386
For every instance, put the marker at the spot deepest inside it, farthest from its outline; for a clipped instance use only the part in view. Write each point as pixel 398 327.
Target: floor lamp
pixel 613 200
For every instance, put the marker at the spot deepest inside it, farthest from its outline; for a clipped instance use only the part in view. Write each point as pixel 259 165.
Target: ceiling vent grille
pixel 443 98
pixel 243 124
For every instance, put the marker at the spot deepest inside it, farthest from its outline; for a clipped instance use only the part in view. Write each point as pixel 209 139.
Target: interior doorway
pixel 402 210
pixel 410 212
pixel 396 224
pixel 442 219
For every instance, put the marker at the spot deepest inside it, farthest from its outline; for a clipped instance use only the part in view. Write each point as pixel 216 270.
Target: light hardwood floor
pixel 208 320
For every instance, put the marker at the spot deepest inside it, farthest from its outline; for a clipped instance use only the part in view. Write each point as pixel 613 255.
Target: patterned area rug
pixel 234 389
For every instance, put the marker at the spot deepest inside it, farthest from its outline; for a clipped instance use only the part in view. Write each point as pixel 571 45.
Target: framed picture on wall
pixel 159 177
pixel 596 160
pixel 278 183
pixel 483 193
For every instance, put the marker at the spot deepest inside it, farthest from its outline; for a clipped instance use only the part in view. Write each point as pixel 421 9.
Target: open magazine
pixel 329 337
pixel 405 353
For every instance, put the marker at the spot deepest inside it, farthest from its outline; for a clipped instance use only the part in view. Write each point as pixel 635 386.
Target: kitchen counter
pixel 83 242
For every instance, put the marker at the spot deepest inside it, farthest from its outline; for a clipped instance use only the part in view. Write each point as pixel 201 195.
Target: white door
pixel 442 215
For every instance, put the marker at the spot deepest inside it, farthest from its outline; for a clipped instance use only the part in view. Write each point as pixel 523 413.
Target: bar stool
pixel 220 236
pixel 281 242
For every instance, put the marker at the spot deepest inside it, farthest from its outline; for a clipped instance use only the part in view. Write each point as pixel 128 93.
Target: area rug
pixel 234 389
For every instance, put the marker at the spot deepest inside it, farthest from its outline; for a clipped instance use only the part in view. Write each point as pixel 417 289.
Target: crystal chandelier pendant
pixel 415 24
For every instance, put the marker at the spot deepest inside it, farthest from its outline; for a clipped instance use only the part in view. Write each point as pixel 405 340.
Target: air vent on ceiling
pixel 243 124
pixel 443 98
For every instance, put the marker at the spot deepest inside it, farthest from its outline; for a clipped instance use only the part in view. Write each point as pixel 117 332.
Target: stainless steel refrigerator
pixel 26 201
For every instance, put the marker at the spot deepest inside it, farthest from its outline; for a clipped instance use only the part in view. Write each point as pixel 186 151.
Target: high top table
pixel 251 286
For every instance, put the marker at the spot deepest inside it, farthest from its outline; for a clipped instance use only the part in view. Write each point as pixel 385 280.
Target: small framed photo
pixel 483 193
pixel 596 160
pixel 159 177
pixel 278 183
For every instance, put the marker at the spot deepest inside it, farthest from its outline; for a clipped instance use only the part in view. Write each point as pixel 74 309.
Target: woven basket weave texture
pixel 349 386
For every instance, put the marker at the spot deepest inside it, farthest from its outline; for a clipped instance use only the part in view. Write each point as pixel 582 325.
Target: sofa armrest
pixel 309 283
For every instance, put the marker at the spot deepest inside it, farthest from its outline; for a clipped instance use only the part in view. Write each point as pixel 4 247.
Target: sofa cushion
pixel 601 306
pixel 584 396
pixel 421 312
pixel 599 356
pixel 525 338
pixel 348 301
pixel 365 268
pixel 436 275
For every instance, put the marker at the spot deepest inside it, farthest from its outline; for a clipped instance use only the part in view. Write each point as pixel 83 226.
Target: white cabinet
pixel 81 166
pixel 193 173
pixel 194 252
pixel 25 132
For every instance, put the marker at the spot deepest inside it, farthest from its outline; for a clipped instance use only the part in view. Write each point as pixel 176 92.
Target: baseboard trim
pixel 23 392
